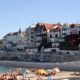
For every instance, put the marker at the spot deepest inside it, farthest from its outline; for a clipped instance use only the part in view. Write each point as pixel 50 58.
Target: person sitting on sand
pixel 50 77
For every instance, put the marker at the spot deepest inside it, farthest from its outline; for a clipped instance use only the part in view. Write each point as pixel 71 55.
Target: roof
pixel 8 34
pixel 49 26
pixel 16 33
pixel 13 34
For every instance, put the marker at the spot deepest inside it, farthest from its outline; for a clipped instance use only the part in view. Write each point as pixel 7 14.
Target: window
pixel 31 40
pixel 79 32
pixel 56 35
pixel 64 29
pixel 63 33
pixel 32 36
pixel 32 32
pixel 50 35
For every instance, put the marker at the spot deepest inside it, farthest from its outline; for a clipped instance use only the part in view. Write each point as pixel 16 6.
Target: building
pixel 30 36
pixel 71 36
pixel 15 39
pixel 55 35
pixel 41 33
pixel 45 35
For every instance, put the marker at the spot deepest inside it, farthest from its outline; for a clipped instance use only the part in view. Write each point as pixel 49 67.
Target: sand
pixel 63 75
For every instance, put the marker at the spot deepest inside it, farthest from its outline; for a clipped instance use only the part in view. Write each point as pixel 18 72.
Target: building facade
pixel 15 39
pixel 55 36
pixel 41 33
pixel 71 37
pixel 45 35
pixel 30 36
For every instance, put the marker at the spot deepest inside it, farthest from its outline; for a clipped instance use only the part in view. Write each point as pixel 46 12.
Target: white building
pixel 55 35
pixel 70 29
pixel 14 39
pixel 74 29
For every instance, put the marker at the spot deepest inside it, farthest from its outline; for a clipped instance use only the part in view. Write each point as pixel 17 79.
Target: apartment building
pixel 55 35
pixel 71 36
pixel 14 39
pixel 30 36
pixel 44 34
pixel 47 35
pixel 41 33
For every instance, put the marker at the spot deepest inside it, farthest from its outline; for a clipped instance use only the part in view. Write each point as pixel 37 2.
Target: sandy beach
pixel 63 75
pixel 16 75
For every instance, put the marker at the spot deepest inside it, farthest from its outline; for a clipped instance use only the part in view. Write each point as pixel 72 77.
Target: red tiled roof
pixel 49 26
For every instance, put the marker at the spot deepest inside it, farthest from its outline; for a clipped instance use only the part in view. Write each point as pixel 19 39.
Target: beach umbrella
pixel 49 71
pixel 56 70
pixel 41 72
pixel 27 71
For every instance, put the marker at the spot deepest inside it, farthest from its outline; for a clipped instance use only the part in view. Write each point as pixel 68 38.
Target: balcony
pixel 37 39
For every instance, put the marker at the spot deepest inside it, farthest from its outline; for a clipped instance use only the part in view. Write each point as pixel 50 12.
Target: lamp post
pixel 79 48
pixel 41 55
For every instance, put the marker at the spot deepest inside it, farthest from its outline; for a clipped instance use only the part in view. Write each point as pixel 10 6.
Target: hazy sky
pixel 15 14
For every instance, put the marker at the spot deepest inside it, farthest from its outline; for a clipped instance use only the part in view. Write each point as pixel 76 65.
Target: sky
pixel 15 14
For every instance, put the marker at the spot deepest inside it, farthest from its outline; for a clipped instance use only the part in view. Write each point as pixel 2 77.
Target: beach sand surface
pixel 63 75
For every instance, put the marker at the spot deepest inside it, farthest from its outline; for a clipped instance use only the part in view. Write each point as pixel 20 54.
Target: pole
pixel 79 48
pixel 41 58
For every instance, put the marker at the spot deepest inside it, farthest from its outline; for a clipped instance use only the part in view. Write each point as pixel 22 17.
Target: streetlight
pixel 41 55
pixel 79 48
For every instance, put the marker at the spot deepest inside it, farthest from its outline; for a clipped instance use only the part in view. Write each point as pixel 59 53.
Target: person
pixel 50 77
pixel 39 77
pixel 24 74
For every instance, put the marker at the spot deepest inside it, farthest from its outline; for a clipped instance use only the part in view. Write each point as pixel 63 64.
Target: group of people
pixel 21 74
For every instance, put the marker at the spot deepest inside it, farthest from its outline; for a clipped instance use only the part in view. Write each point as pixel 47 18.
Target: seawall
pixel 71 66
